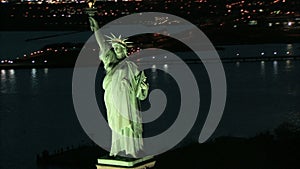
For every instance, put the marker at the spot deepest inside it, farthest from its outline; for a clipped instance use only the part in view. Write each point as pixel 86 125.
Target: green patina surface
pixel 124 87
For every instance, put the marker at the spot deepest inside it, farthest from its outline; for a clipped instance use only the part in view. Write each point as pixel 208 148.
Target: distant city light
pixel 165 66
pixel 252 22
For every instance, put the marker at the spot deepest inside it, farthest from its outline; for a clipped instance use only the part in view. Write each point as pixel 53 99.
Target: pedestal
pixel 142 163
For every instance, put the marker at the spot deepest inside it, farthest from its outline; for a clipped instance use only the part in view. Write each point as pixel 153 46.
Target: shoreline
pixel 188 61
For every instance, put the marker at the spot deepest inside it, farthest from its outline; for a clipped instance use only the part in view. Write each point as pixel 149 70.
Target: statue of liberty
pixel 124 87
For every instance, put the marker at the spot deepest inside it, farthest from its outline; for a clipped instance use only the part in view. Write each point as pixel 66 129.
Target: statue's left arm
pixel 142 86
pixel 135 80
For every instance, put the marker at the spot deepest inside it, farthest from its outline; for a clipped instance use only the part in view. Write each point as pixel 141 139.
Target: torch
pixel 91 10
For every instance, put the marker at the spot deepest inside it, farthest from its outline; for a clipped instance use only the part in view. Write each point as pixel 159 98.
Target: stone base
pixel 142 166
pixel 143 163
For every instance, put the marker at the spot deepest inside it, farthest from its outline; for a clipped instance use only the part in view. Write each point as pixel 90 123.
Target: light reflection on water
pixel 3 73
pixel 289 49
pixel 262 68
pixel 288 65
pixel 34 110
pixel 33 73
pixel 38 105
pixel 46 71
pixel 34 80
pixel 275 68
pixel 8 81
pixel 11 73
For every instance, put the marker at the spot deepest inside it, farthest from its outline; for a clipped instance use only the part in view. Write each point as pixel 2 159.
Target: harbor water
pixel 37 112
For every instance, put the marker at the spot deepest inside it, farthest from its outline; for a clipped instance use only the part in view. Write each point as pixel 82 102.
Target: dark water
pixel 36 109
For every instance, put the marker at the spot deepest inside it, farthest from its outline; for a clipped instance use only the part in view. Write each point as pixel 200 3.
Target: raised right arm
pixel 99 37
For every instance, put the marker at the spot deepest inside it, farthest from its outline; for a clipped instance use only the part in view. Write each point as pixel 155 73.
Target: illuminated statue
pixel 124 87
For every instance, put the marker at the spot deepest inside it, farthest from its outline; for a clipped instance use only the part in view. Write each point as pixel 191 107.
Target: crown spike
pixel 114 39
pixel 108 36
pixel 113 35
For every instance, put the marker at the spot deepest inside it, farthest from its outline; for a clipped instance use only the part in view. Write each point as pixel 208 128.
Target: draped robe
pixel 122 85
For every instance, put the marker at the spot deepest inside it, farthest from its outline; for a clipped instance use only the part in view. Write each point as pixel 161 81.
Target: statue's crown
pixel 113 39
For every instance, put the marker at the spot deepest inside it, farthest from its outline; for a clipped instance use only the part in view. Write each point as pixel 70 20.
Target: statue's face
pixel 119 50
